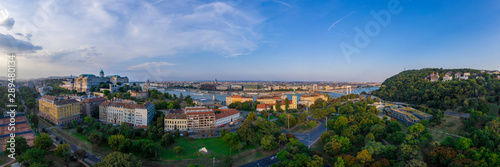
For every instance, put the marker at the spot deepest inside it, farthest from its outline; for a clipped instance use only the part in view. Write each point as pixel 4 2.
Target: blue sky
pixel 247 40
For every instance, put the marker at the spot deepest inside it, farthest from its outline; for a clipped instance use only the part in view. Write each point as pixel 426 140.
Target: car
pixel 273 158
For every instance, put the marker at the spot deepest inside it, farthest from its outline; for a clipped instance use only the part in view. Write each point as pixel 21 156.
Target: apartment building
pixel 238 98
pixel 226 116
pixel 139 115
pixel 175 121
pixel 90 106
pixel 308 100
pixel 198 119
pixel 59 110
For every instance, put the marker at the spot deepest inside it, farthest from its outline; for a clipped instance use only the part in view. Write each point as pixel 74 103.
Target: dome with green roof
pixel 101 74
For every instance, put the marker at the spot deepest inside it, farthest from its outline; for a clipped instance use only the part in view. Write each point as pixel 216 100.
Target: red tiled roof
pixel 283 102
pixel 196 113
pixel 94 100
pixel 225 113
pixel 263 106
pixel 126 105
pixel 311 95
pixel 201 108
pixel 175 116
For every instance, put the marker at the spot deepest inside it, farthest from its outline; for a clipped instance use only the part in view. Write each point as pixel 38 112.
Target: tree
pixel 443 155
pixel 392 126
pixel 333 147
pixel 80 154
pixel 339 162
pixel 167 139
pixel 268 142
pixel 95 139
pixel 119 143
pixel 377 130
pixel 178 150
pixel 63 151
pixel 463 143
pixel 194 165
pixel 338 144
pixel 448 142
pixel 177 133
pixel 79 129
pixel 396 137
pixel 340 123
pixel 283 139
pixel 145 148
pixel 364 157
pixel 43 141
pixel 374 148
pixel 20 145
pixel 33 156
pixel 251 116
pixel 88 120
pixel 415 163
pixel 231 139
pixel 118 159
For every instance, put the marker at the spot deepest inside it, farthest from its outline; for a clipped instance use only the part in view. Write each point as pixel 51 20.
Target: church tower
pixel 101 74
pixel 294 100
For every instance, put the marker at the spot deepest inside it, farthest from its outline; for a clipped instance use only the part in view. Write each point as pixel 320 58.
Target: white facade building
pixel 226 116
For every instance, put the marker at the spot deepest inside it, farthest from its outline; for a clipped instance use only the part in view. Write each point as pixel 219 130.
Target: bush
pixel 186 134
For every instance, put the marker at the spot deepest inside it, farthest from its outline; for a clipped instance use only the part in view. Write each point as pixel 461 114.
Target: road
pixel 90 156
pixel 310 137
pixel 264 162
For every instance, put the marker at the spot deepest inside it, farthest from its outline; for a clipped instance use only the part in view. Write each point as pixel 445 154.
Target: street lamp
pixel 288 117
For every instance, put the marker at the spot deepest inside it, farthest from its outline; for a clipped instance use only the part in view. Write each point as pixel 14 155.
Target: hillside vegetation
pixel 411 87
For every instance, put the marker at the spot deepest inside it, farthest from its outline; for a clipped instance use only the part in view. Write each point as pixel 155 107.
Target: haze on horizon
pixel 268 40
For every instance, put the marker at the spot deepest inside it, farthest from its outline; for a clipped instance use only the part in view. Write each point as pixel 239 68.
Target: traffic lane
pixel 73 147
pixel 264 162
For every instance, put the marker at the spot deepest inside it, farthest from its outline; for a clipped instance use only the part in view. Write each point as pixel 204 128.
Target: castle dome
pixel 101 73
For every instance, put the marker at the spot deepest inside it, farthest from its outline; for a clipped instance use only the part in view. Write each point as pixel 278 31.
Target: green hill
pixel 411 87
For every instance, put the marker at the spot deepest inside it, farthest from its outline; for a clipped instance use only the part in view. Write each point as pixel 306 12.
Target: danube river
pixel 222 97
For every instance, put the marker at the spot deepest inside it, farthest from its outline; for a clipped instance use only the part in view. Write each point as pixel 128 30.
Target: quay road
pixel 90 157
pixel 307 139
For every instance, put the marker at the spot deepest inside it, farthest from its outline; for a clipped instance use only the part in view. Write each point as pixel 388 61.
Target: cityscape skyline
pixel 247 41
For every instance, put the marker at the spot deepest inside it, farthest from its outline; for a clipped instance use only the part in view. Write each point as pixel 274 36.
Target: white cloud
pixel 121 32
pixel 149 65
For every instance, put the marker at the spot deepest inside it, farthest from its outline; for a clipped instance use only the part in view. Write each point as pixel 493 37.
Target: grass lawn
pixel 265 118
pixel 252 156
pixel 450 124
pixel 317 146
pixel 216 147
pixel 493 110
pixel 4 158
pixel 102 150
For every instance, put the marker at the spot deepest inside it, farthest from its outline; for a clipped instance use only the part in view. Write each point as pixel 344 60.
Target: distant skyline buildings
pixel 236 40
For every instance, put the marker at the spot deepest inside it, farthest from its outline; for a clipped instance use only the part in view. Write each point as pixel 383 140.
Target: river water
pixel 222 97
